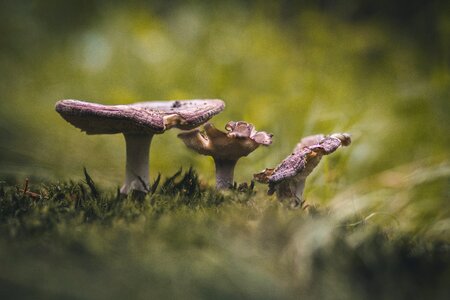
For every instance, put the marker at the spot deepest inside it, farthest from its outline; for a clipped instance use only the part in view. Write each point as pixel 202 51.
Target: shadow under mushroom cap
pixel 143 117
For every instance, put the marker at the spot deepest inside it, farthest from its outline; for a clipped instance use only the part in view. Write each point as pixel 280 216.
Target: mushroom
pixel 138 122
pixel 288 178
pixel 226 148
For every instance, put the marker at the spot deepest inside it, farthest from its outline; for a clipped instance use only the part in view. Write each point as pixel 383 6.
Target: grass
pixel 74 240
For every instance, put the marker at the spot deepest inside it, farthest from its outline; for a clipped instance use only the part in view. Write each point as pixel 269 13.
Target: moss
pixel 186 240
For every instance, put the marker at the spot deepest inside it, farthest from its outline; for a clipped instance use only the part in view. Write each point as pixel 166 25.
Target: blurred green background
pixel 378 70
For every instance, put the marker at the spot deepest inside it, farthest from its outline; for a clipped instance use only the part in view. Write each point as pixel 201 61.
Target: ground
pixel 185 240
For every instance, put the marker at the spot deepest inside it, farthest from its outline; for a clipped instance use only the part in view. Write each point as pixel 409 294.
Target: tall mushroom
pixel 138 122
pixel 287 180
pixel 226 148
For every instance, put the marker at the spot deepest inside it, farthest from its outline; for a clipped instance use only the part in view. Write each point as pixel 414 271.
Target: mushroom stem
pixel 299 188
pixel 224 173
pixel 137 166
pixel 291 190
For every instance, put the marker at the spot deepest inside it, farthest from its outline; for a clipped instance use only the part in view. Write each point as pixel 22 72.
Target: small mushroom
pixel 226 148
pixel 138 122
pixel 287 180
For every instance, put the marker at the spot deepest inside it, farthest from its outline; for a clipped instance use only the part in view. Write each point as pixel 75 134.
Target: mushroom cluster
pixel 138 123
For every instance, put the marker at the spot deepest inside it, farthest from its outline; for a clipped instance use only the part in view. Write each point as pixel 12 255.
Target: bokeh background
pixel 376 69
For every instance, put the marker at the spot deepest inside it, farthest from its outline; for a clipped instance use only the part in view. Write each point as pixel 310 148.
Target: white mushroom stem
pixel 137 166
pixel 292 189
pixel 224 173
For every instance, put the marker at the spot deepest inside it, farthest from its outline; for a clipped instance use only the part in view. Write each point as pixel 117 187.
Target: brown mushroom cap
pixel 309 141
pixel 293 165
pixel 305 157
pixel 143 117
pixel 240 140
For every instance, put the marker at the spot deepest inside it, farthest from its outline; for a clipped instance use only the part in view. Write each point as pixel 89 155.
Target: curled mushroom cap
pixel 138 122
pixel 288 178
pixel 309 141
pixel 226 148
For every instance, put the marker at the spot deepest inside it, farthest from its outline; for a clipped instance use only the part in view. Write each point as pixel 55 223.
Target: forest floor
pixel 185 240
